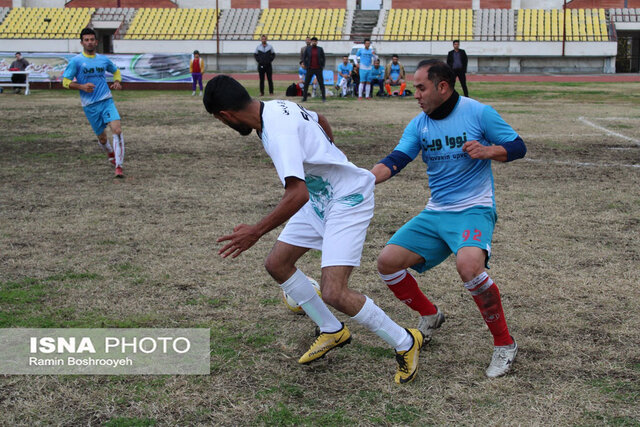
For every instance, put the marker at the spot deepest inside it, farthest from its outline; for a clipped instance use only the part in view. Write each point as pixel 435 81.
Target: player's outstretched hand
pixel 116 85
pixel 243 237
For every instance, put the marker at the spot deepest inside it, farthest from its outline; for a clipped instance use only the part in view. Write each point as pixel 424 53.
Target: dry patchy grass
pixel 79 249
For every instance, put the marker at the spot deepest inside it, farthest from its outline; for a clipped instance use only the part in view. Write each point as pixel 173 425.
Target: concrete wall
pixel 484 57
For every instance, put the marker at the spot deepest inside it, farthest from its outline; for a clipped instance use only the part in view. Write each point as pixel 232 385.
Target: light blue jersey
pixel 394 72
pixel 456 181
pixel 91 69
pixel 365 57
pixel 344 69
pixel 377 73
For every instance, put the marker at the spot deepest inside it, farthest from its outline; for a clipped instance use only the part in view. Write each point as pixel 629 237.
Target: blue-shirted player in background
pixel 365 57
pixel 344 74
pixel 458 138
pixel 88 69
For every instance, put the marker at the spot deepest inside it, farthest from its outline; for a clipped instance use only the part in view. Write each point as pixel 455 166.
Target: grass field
pixel 80 249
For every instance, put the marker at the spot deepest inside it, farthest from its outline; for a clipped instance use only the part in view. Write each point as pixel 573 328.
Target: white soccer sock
pixel 373 318
pixel 118 145
pixel 368 89
pixel 302 291
pixel 106 147
pixel 360 89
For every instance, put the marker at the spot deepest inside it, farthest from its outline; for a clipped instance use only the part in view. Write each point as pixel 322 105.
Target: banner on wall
pixel 146 67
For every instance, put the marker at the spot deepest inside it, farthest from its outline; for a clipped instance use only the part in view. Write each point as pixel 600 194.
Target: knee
pixel 272 267
pixel 387 264
pixel 469 268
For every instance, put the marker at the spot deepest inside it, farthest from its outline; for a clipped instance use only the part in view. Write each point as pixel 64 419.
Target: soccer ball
pixel 292 305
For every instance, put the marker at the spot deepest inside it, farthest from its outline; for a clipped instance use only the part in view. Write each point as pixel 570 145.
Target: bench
pixel 25 85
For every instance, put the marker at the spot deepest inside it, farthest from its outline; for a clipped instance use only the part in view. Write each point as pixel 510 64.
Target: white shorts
pixel 340 235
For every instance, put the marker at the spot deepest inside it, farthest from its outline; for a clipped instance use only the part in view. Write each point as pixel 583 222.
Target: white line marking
pixel 568 163
pixel 607 131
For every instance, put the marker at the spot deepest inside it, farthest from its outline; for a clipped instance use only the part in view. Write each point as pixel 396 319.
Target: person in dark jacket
pixel 265 54
pixel 457 59
pixel 20 64
pixel 313 59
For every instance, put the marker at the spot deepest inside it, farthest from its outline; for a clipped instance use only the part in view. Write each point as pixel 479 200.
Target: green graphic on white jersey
pixel 321 193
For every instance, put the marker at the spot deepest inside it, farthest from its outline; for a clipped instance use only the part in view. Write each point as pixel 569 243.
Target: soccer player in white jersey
pixel 328 203
pixel 88 69
pixel 458 137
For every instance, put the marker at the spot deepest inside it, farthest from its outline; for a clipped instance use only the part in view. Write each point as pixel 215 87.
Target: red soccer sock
pixel 402 87
pixel 487 297
pixel 405 288
pixel 388 88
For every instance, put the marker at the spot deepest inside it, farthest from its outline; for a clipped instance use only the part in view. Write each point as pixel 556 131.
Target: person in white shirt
pixel 327 203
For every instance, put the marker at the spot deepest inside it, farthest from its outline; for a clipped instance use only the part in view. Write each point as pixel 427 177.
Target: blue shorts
pixel 365 76
pixel 100 114
pixel 434 235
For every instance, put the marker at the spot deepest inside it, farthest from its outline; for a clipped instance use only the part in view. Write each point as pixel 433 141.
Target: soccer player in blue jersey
pixel 394 76
pixel 377 77
pixel 365 57
pixel 458 138
pixel 344 74
pixel 88 69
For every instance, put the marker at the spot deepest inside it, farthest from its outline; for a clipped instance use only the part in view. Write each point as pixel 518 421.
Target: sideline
pixel 608 131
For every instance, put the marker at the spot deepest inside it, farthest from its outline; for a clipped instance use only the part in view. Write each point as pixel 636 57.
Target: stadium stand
pixel 173 24
pixel 45 22
pixel 296 24
pixel 624 15
pixel 548 25
pixel 494 24
pixel 238 24
pixel 4 11
pixel 429 24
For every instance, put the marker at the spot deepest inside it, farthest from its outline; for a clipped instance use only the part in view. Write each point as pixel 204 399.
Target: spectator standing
pixel 265 54
pixel 20 64
pixel 457 59
pixel 377 77
pixel 394 76
pixel 355 79
pixel 196 66
pixel 459 138
pixel 313 59
pixel 344 75
pixel 303 48
pixel 365 57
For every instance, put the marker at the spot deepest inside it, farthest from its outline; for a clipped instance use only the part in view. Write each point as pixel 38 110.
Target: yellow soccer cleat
pixel 408 360
pixel 326 341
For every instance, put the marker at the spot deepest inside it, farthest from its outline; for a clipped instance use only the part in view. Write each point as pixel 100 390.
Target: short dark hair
pixel 314 38
pixel 195 52
pixel 395 55
pixel 366 40
pixel 225 93
pixel 457 41
pixel 18 53
pixel 87 31
pixel 438 71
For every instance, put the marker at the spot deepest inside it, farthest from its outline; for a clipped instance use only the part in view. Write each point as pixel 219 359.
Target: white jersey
pixel 299 147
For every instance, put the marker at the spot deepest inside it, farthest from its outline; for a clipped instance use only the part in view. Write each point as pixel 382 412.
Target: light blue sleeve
pixel 495 129
pixel 111 67
pixel 71 70
pixel 410 141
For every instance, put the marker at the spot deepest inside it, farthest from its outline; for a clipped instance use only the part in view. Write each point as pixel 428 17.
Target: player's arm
pixel 390 166
pixel 508 144
pixel 117 75
pixel 244 236
pixel 324 123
